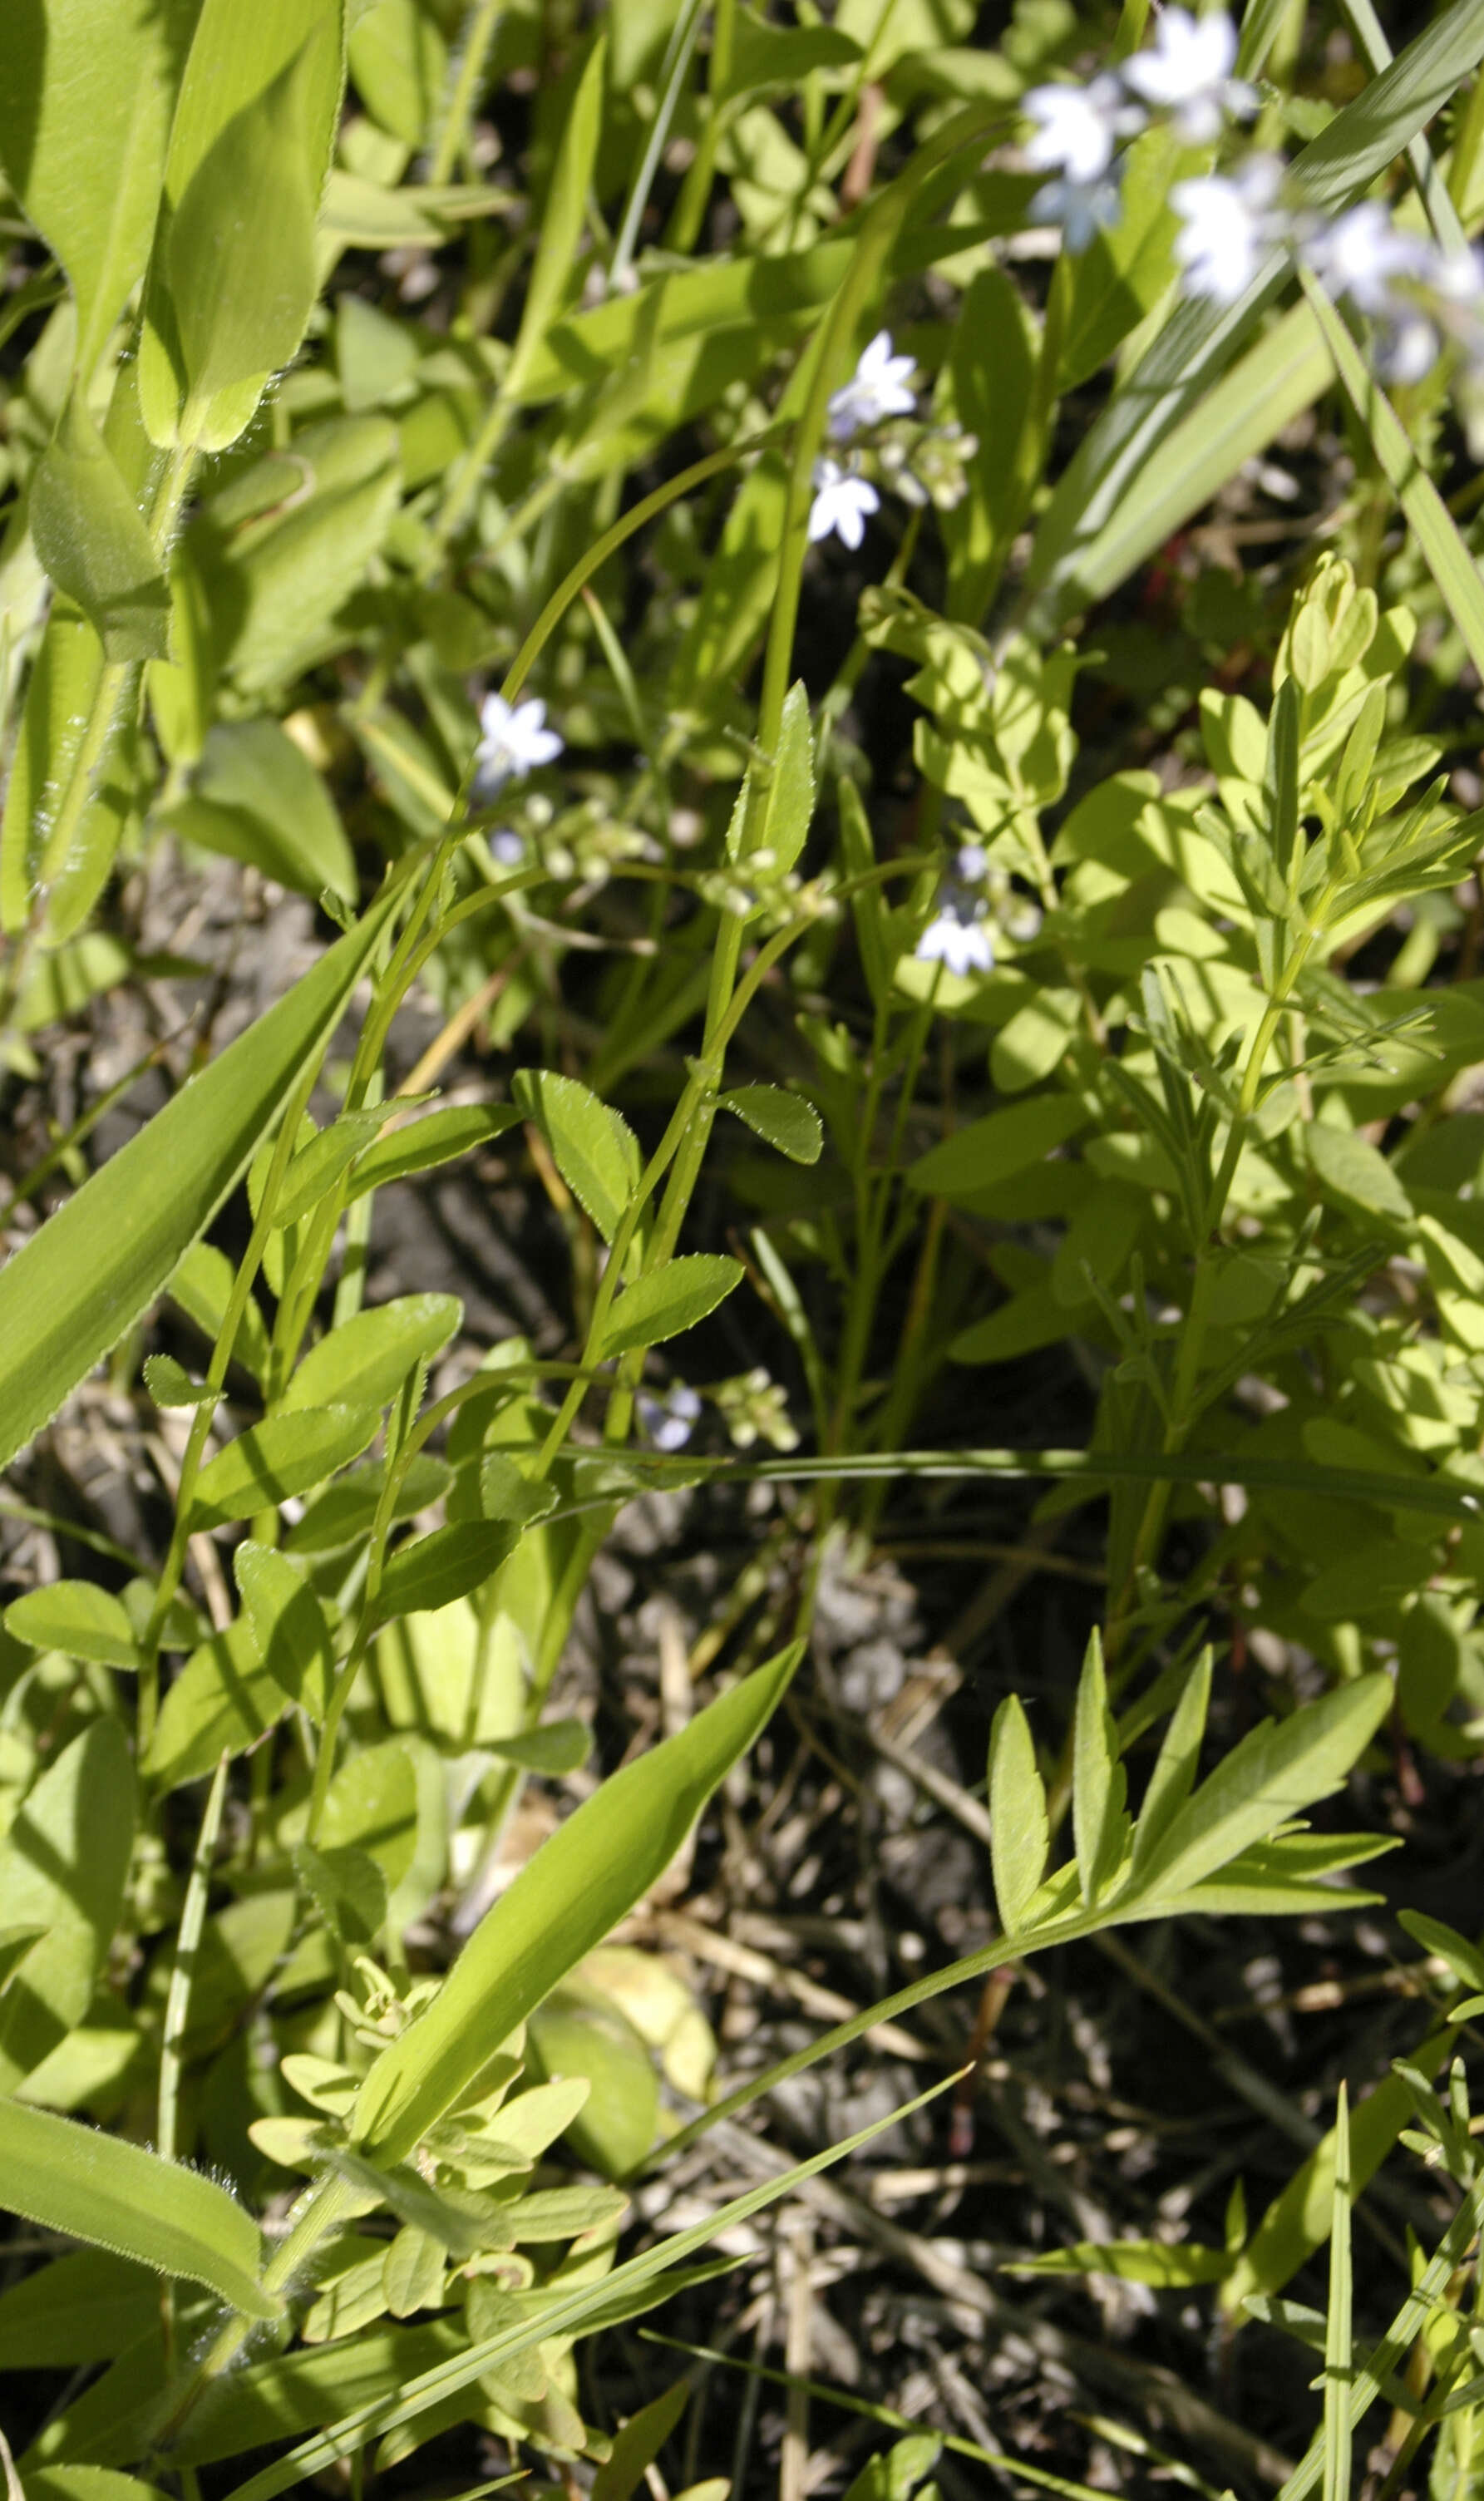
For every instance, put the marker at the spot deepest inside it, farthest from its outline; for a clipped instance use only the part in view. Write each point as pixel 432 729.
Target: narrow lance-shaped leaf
pixel 84 1278
pixel 791 792
pixel 594 1868
pixel 1098 1779
pixel 284 1455
pixel 1020 1835
pixel 1176 1766
pixel 101 2189
pixel 1274 1774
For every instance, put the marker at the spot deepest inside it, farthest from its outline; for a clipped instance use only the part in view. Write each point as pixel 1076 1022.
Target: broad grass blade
pixel 85 1276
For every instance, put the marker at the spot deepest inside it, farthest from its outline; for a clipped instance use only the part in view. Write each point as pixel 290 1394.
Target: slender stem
pixel 681 45
pixel 178 2003
pixel 478 35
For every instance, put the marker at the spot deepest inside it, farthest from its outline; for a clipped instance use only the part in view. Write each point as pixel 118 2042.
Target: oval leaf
pixel 284 1455
pixel 785 1120
pixel 434 1140
pixel 670 1299
pixel 76 1616
pixel 594 1148
pixel 435 1570
pixel 364 1362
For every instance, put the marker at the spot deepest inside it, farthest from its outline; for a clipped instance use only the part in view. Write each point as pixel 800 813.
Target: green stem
pixel 465 86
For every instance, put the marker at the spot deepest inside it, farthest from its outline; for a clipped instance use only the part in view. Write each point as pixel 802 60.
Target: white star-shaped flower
pixel 880 386
pixel 514 741
pixel 958 937
pixel 1226 226
pixel 1077 127
pixel 841 503
pixel 1081 209
pixel 1362 254
pixel 1188 72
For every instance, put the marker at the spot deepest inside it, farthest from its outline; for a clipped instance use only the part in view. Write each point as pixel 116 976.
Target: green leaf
pixel 344 1513
pixel 566 215
pixel 87 94
pixel 282 548
pixel 638 2444
pixel 319 1166
pixel 1168 2265
pixel 1002 1143
pixel 670 1299
pixel 66 685
pixel 90 538
pixel 435 1139
pixel 791 790
pixel 1272 1775
pixel 114 2194
pixel 84 2307
pixel 1176 1766
pixel 593 1147
pixel 224 1696
pixel 580 1884
pixel 87 1274
pixel 232 276
pixel 560 1747
pixel 285 1455
pixel 1466 1961
pixel 1099 1785
pixel 364 1362
pixel 1020 1834
pixel 1349 1169
pixel 78 1618
pixel 64 1865
pixel 202 1285
pixel 577 2033
pixel 255 796
pixel 170 1384
pixel 289 1626
pixel 786 1121
pixel 444 1565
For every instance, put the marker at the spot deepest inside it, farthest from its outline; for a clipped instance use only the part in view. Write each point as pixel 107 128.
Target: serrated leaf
pixel 434 1139
pixel 670 1299
pixel 791 791
pixel 594 1148
pixel 786 1121
pixel 1020 1835
pixel 93 543
pixel 286 1455
pixel 77 1617
pixel 565 1901
pixel 115 2195
pixel 365 1362
pixel 170 1384
pixel 1272 1775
